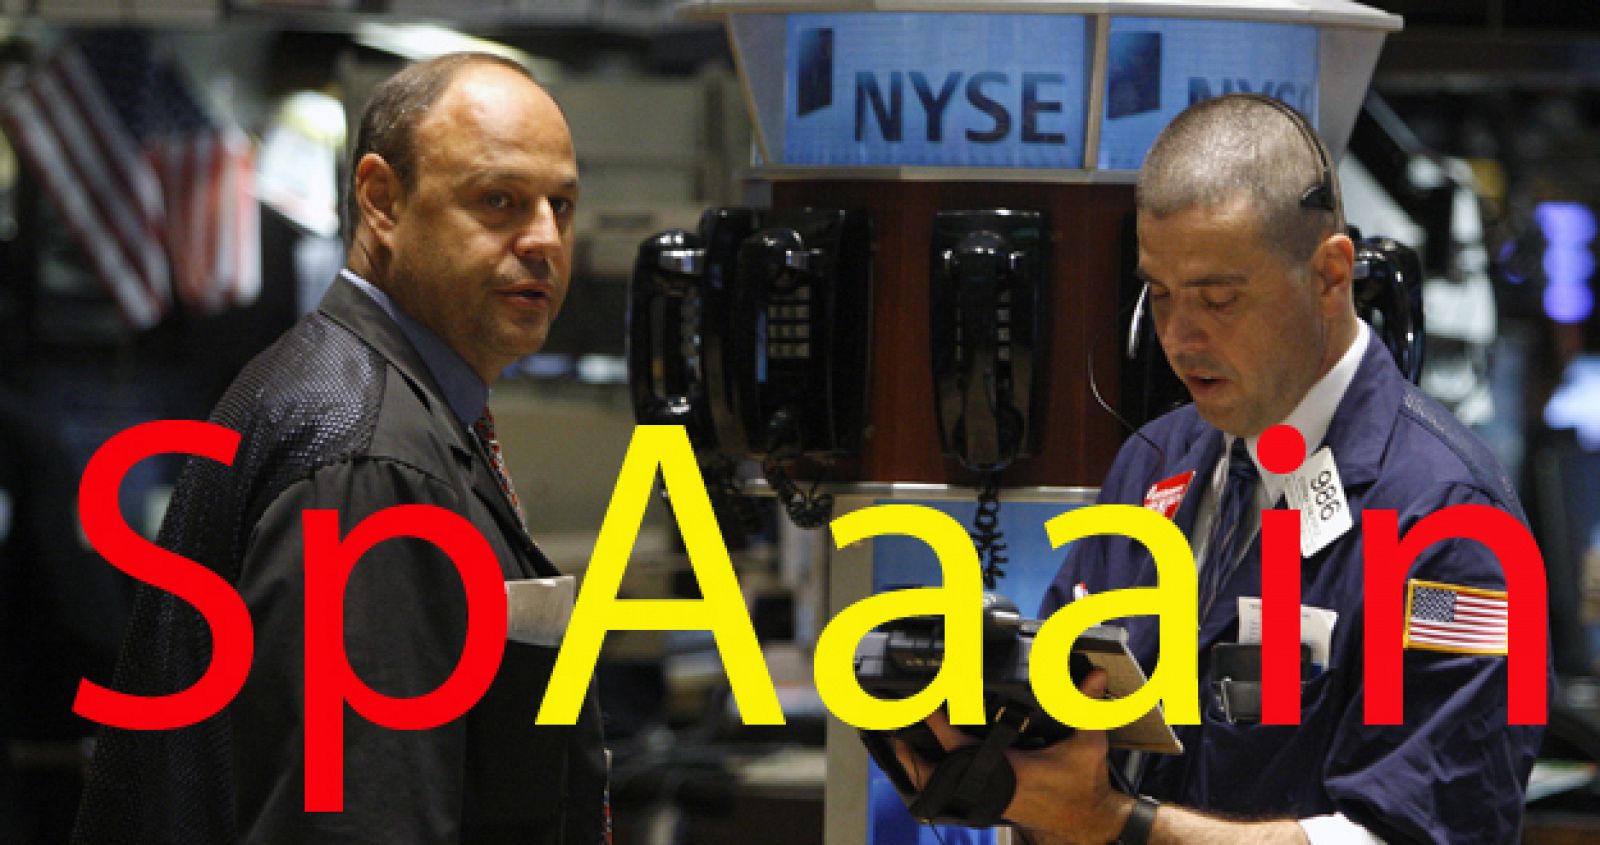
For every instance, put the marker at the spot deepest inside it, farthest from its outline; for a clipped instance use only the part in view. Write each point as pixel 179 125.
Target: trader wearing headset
pixel 1243 248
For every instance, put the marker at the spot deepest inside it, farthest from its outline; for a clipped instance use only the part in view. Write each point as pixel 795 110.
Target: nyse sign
pixel 958 90
pixel 1157 67
pixel 985 92
pixel 1300 95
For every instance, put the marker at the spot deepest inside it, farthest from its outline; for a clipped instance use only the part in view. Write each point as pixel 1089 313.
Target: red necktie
pixel 483 427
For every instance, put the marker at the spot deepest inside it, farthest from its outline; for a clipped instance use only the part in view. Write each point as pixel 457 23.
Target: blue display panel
pixel 936 89
pixel 1156 68
pixel 900 561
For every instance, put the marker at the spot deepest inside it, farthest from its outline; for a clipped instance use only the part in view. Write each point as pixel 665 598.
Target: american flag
pixel 1448 618
pixel 157 195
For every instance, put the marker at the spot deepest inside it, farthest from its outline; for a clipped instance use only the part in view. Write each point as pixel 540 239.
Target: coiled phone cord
pixel 809 510
pixel 987 535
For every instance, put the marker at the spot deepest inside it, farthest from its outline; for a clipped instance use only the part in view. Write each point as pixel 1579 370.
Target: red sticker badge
pixel 1165 496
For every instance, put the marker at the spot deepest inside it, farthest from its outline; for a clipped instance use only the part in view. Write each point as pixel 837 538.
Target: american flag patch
pixel 1460 620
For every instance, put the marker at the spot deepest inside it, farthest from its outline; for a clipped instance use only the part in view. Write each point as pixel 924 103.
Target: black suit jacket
pixel 341 413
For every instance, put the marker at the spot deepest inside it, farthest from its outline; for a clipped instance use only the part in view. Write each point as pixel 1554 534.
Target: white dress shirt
pixel 1311 418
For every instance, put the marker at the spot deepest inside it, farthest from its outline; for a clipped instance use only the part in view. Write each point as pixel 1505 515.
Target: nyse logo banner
pixel 934 89
pixel 1156 68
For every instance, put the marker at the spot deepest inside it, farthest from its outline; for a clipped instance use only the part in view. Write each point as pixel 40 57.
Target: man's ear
pixel 1333 266
pixel 379 195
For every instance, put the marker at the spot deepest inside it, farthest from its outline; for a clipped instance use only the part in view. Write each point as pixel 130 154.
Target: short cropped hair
pixel 389 123
pixel 1244 145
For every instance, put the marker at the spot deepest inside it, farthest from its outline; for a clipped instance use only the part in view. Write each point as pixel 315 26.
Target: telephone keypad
pixel 789 325
pixel 1002 319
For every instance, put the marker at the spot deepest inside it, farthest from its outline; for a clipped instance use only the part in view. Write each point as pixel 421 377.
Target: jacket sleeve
pixel 1123 485
pixel 405 624
pixel 1454 771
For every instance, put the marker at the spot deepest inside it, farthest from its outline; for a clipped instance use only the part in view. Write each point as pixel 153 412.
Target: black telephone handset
pixel 798 333
pixel 723 230
pixel 1149 386
pixel 1388 295
pixel 677 320
pixel 753 333
pixel 665 367
pixel 986 310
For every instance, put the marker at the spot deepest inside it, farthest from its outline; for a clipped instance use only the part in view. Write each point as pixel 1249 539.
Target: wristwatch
pixel 1141 820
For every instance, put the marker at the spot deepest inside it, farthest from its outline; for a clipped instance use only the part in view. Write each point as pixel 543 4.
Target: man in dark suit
pixel 464 185
pixel 1249 270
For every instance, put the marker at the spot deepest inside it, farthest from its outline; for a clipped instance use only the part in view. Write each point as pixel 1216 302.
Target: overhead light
pixel 1568 227
pixel 297 163
pixel 422 41
pixel 1576 403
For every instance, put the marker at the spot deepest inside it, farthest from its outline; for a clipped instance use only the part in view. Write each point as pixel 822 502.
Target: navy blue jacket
pixel 1454 771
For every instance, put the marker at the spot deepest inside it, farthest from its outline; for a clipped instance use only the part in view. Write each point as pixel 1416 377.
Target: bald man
pixel 464 187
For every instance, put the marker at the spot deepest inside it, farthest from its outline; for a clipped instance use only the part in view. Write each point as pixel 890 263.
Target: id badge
pixel 1316 491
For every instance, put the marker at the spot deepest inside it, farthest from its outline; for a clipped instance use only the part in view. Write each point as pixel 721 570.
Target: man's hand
pixel 1064 794
pixel 1063 788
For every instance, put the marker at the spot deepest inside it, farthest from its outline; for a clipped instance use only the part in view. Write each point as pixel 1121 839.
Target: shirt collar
pixel 463 389
pixel 1314 413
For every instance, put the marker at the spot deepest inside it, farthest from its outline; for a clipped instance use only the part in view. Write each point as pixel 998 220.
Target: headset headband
pixel 1318 197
